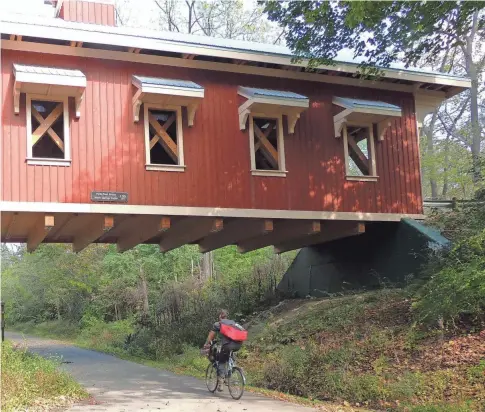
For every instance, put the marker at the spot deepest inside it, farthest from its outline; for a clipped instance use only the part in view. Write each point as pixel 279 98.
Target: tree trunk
pixel 144 291
pixel 444 192
pixel 475 125
pixel 207 266
pixel 472 72
pixel 430 150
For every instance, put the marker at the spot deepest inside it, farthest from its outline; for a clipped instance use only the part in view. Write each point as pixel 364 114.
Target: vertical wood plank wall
pixel 107 148
pixel 88 12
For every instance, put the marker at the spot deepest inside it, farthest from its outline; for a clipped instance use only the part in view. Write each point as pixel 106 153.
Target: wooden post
pixel 2 316
pixel 453 203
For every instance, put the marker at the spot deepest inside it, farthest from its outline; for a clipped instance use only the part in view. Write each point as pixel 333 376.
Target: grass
pixel 361 350
pixel 189 363
pixel 30 381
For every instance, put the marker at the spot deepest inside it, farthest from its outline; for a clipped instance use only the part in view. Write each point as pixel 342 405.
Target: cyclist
pixel 232 336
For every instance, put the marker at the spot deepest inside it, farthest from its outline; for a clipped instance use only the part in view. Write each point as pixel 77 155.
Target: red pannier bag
pixel 234 332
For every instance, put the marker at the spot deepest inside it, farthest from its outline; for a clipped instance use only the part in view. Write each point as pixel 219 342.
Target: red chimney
pixel 86 11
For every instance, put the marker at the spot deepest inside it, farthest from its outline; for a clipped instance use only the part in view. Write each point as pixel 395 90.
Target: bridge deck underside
pixel 170 232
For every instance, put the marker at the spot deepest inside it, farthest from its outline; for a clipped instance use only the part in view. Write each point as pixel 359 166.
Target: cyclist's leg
pixel 222 361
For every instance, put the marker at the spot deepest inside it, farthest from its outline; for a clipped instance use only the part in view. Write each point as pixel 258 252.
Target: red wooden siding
pixel 108 151
pixel 88 12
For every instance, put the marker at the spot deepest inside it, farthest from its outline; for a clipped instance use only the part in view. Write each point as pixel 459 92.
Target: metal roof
pixel 157 81
pixel 216 48
pixel 360 104
pixel 52 71
pixel 277 94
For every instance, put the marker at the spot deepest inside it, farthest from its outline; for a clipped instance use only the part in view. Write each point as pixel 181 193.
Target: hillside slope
pixel 364 350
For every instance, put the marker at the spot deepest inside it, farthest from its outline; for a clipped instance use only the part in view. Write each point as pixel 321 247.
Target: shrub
pixel 62 329
pixel 456 284
pixel 106 336
pixel 29 379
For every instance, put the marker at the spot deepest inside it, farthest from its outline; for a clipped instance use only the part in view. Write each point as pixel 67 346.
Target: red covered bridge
pixel 128 136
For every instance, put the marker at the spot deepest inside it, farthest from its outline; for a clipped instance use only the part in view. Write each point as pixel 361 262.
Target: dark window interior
pixel 264 159
pixel 159 154
pixel 359 160
pixel 45 147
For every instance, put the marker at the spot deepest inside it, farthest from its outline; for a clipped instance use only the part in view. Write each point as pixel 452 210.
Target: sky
pixel 35 7
pixel 140 11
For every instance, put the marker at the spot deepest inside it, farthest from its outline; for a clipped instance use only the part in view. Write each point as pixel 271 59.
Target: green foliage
pixel 449 165
pixel 62 329
pixel 30 380
pixel 476 374
pixel 455 279
pixel 148 303
pixel 444 407
pixel 105 336
pixel 377 31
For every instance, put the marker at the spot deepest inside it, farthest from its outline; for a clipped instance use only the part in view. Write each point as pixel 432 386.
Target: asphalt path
pixel 119 385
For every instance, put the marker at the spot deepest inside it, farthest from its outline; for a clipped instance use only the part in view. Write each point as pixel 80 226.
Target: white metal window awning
pixel 272 102
pixel 48 81
pixel 158 91
pixel 364 111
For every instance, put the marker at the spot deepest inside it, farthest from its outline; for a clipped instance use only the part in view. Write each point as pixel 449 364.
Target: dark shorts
pixel 223 356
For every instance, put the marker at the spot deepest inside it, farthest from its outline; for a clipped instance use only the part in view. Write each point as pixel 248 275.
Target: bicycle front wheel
pixel 211 377
pixel 236 383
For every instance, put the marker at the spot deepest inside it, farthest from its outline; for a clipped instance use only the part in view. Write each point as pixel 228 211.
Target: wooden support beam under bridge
pixel 330 231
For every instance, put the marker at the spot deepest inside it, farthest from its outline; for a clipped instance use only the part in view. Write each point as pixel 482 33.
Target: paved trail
pixel 119 385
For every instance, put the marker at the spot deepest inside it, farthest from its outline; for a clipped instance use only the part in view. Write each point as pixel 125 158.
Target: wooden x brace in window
pixel 45 126
pixel 357 155
pixel 163 137
pixel 268 150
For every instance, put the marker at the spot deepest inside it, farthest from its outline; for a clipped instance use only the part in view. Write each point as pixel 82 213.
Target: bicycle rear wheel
pixel 236 383
pixel 211 377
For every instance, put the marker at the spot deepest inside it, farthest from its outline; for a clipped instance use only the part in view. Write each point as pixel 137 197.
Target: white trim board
pixel 180 166
pixel 372 176
pixel 222 67
pixel 166 89
pixel 66 121
pixel 44 207
pixel 281 171
pixel 114 36
pixel 53 79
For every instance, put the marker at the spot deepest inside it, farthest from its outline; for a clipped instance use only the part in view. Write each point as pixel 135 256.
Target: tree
pixel 229 19
pixel 382 32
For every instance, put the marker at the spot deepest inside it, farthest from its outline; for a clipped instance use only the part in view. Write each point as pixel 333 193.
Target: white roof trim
pixel 49 75
pixel 167 89
pixel 197 45
pixel 290 107
pixel 175 95
pixel 64 82
pixel 386 111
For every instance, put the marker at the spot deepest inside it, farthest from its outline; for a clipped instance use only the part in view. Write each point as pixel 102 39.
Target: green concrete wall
pixel 386 254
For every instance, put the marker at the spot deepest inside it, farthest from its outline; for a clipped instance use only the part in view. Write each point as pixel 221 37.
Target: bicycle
pixel 234 379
